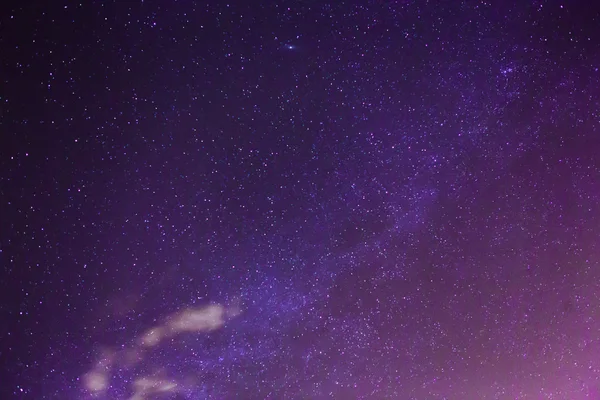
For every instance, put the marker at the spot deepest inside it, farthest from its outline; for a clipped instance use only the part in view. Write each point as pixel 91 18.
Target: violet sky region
pixel 300 200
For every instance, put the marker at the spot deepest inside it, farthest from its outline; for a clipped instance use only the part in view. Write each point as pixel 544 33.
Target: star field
pixel 300 200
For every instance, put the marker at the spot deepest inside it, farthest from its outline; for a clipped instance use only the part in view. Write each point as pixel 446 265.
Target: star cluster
pixel 300 200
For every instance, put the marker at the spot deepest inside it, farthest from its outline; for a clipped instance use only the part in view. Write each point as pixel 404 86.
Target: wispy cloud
pixel 200 320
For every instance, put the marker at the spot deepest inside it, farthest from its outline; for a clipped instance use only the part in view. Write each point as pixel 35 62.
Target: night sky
pixel 300 200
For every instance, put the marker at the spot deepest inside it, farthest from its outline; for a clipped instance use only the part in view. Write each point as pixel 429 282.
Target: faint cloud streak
pixel 199 320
